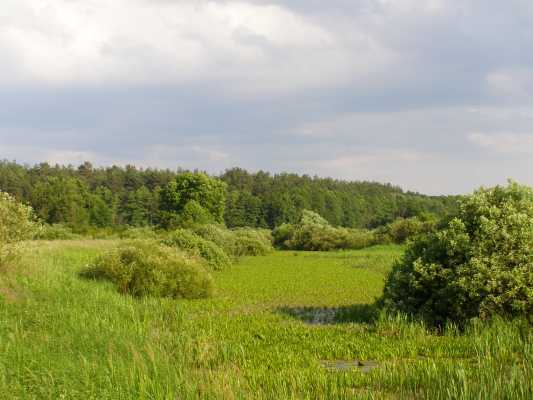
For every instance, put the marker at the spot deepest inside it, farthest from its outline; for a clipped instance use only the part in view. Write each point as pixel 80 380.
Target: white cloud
pixel 210 154
pixel 253 47
pixel 52 156
pixel 187 155
pixel 515 82
pixel 504 142
pixel 391 159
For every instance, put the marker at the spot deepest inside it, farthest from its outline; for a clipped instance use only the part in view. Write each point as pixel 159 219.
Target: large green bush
pixel 219 235
pixel 189 241
pixel 328 238
pixel 251 242
pixel 238 242
pixel 16 224
pixel 403 229
pixel 146 268
pixel 479 265
pixel 314 233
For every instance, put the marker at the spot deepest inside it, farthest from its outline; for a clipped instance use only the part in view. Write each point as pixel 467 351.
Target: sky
pixel 435 96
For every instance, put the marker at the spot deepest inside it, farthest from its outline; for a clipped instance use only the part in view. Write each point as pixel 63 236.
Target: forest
pixel 86 196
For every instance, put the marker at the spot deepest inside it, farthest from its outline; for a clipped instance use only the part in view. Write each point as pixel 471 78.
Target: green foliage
pixel 60 199
pixel 214 257
pixel 328 238
pixel 312 218
pixel 145 268
pixel 16 224
pixel 272 200
pixel 193 214
pixel 251 242
pixel 140 207
pixel 282 234
pixel 217 234
pixel 110 196
pixel 78 339
pixel 197 191
pixel 142 233
pixel 403 229
pixel 56 232
pixel 244 209
pixel 238 242
pixel 314 233
pixel 479 265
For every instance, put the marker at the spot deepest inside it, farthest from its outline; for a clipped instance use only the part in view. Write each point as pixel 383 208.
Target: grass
pixel 63 337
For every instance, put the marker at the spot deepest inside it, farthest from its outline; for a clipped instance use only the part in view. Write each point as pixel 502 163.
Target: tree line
pixel 88 196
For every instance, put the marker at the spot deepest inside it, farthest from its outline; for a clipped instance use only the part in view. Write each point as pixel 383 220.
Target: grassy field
pixel 288 325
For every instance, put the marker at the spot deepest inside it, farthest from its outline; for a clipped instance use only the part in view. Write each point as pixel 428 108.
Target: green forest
pixel 87 197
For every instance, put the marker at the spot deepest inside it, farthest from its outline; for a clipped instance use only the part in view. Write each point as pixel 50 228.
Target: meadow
pixel 288 325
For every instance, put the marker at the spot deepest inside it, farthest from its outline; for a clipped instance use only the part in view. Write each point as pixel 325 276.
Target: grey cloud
pixel 452 86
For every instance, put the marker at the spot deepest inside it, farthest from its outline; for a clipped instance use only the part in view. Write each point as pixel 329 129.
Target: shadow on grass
pixel 357 313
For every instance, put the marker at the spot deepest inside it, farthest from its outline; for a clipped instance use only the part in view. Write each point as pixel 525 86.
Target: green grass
pixel 65 337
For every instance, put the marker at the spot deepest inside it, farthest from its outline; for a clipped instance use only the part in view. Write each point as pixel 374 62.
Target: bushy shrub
pixel 283 233
pixel 251 242
pixel 479 265
pixel 314 233
pixel 210 252
pixel 146 268
pixel 403 229
pixel 237 242
pixel 16 224
pixel 327 238
pixel 217 234
pixel 56 232
pixel 309 217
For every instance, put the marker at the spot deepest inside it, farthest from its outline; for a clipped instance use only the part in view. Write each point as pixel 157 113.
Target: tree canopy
pixel 86 196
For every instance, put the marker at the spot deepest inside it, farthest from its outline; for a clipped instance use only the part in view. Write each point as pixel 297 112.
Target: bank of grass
pixel 77 339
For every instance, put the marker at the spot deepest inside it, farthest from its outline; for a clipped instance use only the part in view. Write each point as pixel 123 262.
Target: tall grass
pixel 76 339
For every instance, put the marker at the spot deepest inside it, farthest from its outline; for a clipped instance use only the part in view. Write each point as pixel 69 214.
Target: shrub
pixel 313 233
pixel 238 242
pixel 56 232
pixel 327 238
pixel 479 265
pixel 145 268
pixel 211 253
pixel 309 217
pixel 403 229
pixel 219 235
pixel 16 224
pixel 282 234
pixel 251 242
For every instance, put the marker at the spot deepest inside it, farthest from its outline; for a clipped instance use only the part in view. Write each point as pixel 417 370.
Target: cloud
pixel 504 142
pixel 51 155
pixel 252 47
pixel 434 95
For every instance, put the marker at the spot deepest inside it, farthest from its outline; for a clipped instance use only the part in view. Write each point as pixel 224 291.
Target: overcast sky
pixel 432 95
